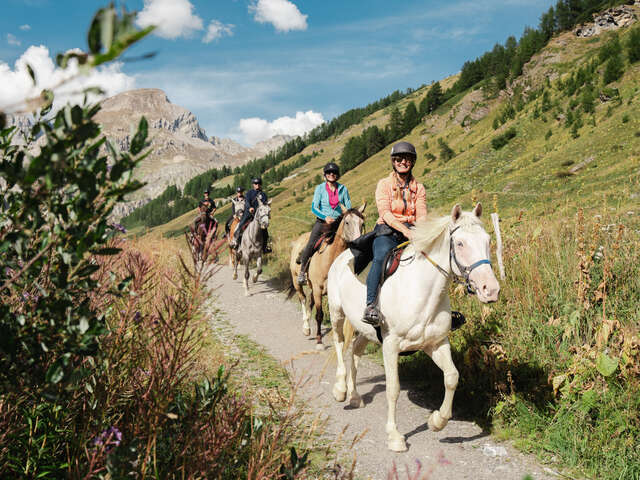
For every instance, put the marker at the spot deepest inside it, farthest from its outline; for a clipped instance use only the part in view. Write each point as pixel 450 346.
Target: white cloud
pixel 257 129
pixel 283 14
pixel 173 18
pixel 12 40
pixel 25 27
pixel 17 85
pixel 217 30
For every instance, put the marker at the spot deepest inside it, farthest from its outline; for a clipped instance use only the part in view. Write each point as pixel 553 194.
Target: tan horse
pixel 350 225
pixel 238 210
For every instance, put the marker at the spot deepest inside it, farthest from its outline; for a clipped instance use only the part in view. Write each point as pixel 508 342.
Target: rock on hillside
pixel 610 19
pixel 180 147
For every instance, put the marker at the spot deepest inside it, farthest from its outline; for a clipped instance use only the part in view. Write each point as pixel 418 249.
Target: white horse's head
pixel 352 223
pixel 263 213
pixel 470 253
pixel 238 207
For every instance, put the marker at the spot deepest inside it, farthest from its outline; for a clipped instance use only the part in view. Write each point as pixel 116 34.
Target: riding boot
pixel 265 238
pixel 302 276
pixel 372 315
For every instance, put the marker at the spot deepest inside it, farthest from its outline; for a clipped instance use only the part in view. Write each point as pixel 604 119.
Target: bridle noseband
pixel 465 272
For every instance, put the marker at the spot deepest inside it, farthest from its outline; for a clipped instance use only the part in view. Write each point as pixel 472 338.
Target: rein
pixel 465 272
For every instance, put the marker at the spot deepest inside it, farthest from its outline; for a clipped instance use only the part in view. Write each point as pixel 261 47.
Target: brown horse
pixel 238 209
pixel 349 227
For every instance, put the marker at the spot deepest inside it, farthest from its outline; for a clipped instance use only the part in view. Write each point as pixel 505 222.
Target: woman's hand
pixel 329 220
pixel 408 233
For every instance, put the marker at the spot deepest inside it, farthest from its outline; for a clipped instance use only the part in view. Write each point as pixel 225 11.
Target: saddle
pixel 327 237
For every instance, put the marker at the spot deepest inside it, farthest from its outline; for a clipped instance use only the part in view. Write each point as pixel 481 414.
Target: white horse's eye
pixel 458 243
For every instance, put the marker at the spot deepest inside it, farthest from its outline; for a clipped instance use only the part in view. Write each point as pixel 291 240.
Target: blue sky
pixel 232 60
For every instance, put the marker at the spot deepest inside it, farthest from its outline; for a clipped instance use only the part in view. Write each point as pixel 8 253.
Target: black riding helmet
pixel 402 149
pixel 207 192
pixel 257 180
pixel 331 168
pixel 239 189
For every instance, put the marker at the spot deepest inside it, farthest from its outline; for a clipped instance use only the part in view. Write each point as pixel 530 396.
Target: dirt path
pixel 461 451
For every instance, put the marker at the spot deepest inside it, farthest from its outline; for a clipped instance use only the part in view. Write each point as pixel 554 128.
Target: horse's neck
pixel 338 245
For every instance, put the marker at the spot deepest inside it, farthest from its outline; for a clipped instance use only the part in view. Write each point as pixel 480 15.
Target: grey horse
pixel 251 244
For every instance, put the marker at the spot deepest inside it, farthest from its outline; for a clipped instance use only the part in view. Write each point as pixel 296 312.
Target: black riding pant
pixel 316 233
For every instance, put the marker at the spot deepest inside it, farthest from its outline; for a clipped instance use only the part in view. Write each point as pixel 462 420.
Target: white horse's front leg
pixel 395 441
pixel 441 356
pixel 337 324
pixel 235 262
pixel 359 344
pixel 246 275
pixel 258 269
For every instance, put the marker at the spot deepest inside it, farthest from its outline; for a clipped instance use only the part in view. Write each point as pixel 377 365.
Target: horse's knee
pixel 451 379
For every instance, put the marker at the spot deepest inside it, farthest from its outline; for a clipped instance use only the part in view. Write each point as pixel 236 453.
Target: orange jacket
pixel 407 203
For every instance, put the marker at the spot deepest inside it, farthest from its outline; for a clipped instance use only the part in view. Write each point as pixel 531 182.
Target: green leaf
pixel 606 365
pixel 140 138
pixel 55 373
pixel 94 35
pixel 31 73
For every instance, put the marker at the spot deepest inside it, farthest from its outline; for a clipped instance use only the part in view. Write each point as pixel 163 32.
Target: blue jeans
pixel 381 245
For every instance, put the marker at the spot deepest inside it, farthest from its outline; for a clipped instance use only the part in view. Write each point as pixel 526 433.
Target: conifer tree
pixel 614 69
pixel 633 45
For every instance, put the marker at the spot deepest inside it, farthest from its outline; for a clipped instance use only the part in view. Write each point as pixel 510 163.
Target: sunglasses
pixel 403 159
pixel 331 173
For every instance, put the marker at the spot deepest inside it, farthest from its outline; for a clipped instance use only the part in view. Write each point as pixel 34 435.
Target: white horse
pixel 251 244
pixel 414 306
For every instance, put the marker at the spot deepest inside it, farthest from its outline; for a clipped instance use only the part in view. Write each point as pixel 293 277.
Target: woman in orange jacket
pixel 401 201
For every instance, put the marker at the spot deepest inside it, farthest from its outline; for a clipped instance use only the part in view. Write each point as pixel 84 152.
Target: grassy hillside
pixel 556 363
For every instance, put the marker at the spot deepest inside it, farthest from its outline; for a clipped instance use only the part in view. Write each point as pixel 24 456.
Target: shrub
pixel 613 70
pixel 446 153
pixel 547 135
pixel 633 45
pixel 625 118
pixel 501 140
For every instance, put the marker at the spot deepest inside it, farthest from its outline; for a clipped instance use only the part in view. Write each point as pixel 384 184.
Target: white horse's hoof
pixel 306 331
pixel 339 394
pixel 235 276
pixel 255 278
pixel 356 401
pixel 436 421
pixel 320 347
pixel 396 443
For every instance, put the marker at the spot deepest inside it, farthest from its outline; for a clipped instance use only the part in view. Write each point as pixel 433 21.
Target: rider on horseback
pixel 211 205
pixel 328 197
pixel 251 205
pixel 239 196
pixel 401 201
pixel 204 222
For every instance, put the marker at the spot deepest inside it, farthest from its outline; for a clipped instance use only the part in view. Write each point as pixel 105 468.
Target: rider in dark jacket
pixel 211 205
pixel 250 206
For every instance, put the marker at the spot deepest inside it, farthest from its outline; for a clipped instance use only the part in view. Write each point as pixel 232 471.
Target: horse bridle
pixel 259 218
pixel 465 272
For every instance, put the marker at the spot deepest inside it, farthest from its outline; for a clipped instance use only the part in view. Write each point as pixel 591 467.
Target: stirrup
pixel 266 249
pixel 371 315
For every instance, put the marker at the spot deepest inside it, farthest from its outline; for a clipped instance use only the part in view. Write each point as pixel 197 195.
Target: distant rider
pixel 239 196
pixel 204 222
pixel 250 206
pixel 401 201
pixel 327 198
pixel 211 205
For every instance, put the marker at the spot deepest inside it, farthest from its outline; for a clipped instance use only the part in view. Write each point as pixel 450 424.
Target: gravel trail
pixel 460 451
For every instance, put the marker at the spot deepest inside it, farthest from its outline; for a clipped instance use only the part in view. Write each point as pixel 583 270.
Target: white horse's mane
pixel 426 232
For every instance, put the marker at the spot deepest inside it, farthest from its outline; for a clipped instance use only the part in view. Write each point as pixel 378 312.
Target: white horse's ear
pixel 363 207
pixel 456 212
pixel 269 202
pixel 478 209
